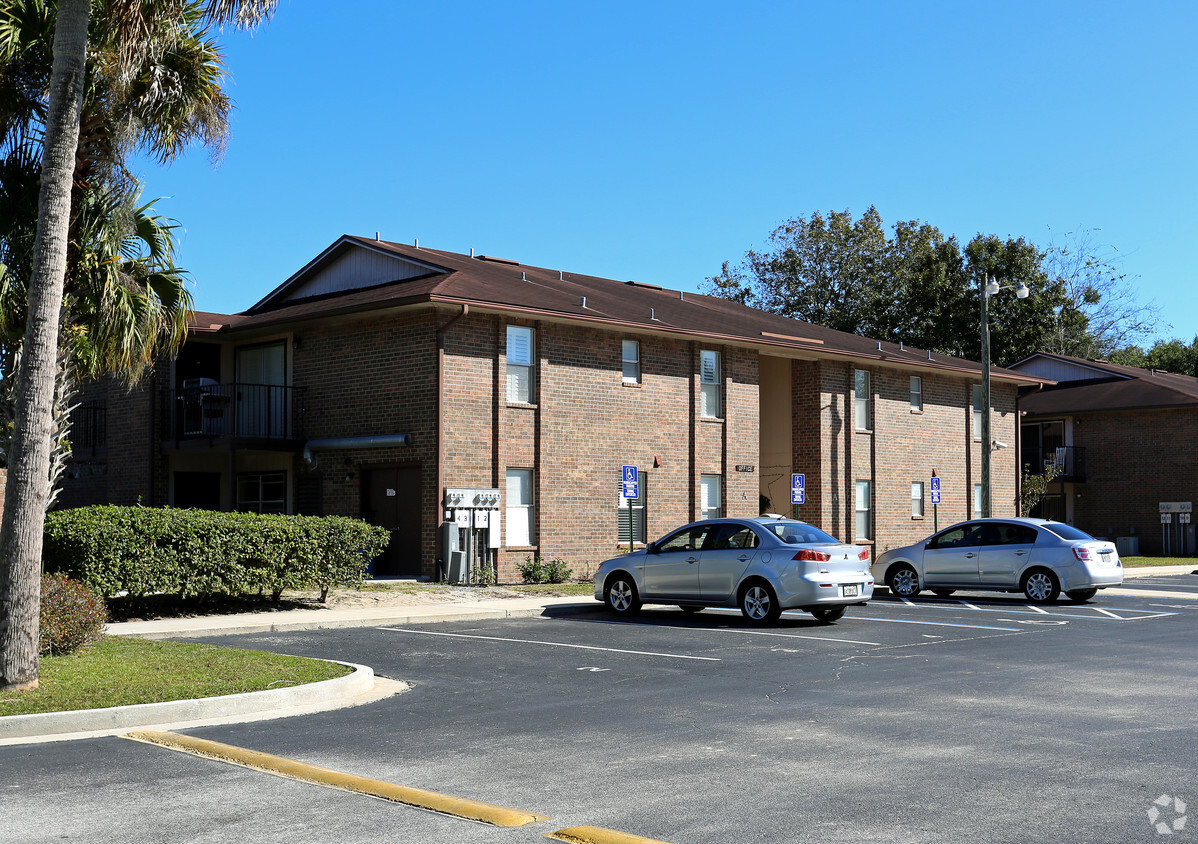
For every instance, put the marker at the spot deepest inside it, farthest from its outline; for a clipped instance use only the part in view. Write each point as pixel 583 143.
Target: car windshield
pixel 800 533
pixel 1066 531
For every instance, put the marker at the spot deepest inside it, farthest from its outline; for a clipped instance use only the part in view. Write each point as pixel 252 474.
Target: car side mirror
pixel 651 548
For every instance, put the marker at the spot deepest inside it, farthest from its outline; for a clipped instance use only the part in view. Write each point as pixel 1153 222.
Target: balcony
pixel 1070 461
pixel 89 427
pixel 245 414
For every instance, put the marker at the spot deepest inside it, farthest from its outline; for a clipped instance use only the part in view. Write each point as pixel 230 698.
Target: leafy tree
pixel 1094 281
pixel 1170 355
pixel 1035 486
pixel 916 285
pixel 126 34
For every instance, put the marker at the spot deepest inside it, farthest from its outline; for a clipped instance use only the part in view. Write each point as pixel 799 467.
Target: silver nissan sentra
pixel 762 565
pixel 1037 557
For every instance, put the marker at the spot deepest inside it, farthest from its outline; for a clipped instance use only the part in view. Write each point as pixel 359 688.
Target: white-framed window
pixel 977 411
pixel 630 512
pixel 917 498
pixel 520 509
pixel 711 496
pixel 916 392
pixel 863 506
pixel 977 501
pixel 861 401
pixel 262 493
pixel 521 341
pixel 632 361
pixel 710 404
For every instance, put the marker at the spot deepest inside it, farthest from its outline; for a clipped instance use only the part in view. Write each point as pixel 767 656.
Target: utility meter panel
pixel 472 499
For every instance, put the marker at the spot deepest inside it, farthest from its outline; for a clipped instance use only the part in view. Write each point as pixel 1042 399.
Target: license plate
pixel 849 591
pixel 1106 558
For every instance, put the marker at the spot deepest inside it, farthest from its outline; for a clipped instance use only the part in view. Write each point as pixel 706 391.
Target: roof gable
pixel 349 264
pixel 1060 368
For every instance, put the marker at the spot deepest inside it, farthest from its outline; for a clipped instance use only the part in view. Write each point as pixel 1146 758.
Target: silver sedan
pixel 762 565
pixel 1036 557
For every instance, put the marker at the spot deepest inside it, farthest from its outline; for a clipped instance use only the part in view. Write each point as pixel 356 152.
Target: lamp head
pixel 1022 291
pixel 991 286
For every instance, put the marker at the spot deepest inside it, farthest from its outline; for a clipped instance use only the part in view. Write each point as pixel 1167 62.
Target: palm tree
pixel 27 487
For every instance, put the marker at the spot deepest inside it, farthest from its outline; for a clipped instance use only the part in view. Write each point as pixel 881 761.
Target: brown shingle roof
pixel 545 293
pixel 1114 387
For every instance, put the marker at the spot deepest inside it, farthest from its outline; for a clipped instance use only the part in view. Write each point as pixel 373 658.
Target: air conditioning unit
pixel 1128 546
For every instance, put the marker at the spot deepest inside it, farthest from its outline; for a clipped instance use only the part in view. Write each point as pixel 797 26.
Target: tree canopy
pixel 921 287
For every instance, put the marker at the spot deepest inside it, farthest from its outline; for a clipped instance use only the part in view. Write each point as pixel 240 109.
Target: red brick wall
pixel 1134 461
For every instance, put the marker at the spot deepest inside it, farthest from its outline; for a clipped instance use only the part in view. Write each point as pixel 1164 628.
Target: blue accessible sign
pixel 798 491
pixel 935 490
pixel 629 482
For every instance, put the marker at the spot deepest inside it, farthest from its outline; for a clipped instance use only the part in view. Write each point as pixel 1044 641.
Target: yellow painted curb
pixel 599 835
pixel 282 766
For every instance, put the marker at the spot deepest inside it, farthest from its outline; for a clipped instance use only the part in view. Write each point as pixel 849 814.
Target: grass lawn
pixel 1140 562
pixel 117 671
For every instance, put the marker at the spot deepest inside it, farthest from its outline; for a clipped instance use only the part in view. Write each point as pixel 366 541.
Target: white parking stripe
pixel 937 624
pixel 1035 608
pixel 552 644
pixel 966 603
pixel 1107 612
pixel 797 636
pixel 1079 612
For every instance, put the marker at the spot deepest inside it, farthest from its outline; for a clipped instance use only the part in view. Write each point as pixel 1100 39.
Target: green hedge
pixel 198 553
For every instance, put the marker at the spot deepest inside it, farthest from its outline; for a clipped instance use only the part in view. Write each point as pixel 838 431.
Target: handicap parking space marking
pixel 551 644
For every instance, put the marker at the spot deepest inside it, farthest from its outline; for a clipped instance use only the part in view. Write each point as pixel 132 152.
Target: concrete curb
pixel 294 620
pixel 360 686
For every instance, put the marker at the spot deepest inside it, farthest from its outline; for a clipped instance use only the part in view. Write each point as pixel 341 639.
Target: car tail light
pixel 812 556
pixel 1082 553
pixel 864 555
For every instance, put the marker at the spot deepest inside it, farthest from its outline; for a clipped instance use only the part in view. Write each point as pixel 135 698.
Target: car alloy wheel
pixel 621 596
pixel 904 582
pixel 1040 586
pixel 759 605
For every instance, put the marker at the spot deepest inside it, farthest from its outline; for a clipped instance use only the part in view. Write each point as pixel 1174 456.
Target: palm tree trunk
pixel 28 487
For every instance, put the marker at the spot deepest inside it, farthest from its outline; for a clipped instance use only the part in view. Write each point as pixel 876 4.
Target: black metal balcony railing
pixel 219 411
pixel 89 426
pixel 1070 461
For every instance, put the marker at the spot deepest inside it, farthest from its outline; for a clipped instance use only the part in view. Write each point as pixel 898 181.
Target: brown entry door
pixel 393 501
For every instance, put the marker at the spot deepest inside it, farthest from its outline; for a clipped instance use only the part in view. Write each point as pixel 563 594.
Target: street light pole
pixel 990 286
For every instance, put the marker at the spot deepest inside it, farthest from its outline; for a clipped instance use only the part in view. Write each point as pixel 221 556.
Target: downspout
pixel 438 492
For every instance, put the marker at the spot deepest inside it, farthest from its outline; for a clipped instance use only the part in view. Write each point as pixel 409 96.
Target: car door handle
pixel 1020 553
pixel 692 559
pixel 744 558
pixel 970 555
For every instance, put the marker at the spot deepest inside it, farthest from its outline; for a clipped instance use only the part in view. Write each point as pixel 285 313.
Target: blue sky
pixel 654 140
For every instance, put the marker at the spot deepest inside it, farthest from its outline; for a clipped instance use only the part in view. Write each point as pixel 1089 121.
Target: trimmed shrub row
pixel 200 553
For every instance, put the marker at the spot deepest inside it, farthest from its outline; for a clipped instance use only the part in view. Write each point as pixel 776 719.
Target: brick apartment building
pixel 1125 441
pixel 482 409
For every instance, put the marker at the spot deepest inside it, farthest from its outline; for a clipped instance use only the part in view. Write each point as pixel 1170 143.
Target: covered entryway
pixel 391 498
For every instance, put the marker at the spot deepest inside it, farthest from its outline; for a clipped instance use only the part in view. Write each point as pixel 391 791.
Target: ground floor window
pixel 519 508
pixel 863 506
pixel 262 493
pixel 711 496
pixel 917 498
pixel 630 513
pixel 977 501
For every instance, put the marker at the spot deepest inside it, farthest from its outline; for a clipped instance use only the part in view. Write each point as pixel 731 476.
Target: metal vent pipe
pixel 344 443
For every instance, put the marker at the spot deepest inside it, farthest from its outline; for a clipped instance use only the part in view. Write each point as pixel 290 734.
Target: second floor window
pixel 977 411
pixel 861 408
pixel 632 361
pixel 916 393
pixel 710 399
pixel 520 341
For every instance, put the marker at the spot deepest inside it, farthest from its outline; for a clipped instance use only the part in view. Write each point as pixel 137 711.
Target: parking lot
pixel 976 716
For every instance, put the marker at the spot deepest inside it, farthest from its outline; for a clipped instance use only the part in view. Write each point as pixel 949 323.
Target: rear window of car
pixel 800 533
pixel 1066 531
